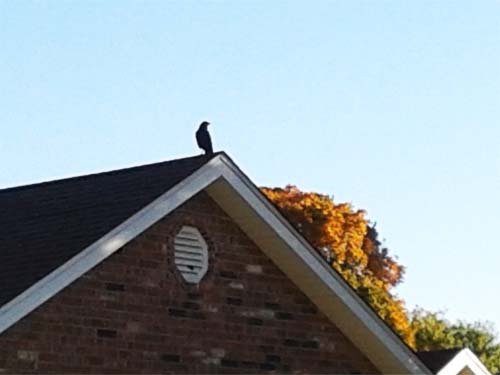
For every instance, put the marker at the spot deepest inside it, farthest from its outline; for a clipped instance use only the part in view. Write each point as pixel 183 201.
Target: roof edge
pixel 464 358
pixel 98 173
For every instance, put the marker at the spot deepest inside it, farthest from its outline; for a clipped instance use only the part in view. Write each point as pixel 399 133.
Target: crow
pixel 203 138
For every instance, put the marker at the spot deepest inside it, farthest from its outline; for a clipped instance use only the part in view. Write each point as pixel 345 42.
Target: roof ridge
pixel 108 172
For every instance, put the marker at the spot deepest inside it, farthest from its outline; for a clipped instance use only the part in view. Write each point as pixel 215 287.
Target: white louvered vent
pixel 191 255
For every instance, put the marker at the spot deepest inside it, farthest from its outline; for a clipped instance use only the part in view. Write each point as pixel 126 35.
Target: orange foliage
pixel 347 241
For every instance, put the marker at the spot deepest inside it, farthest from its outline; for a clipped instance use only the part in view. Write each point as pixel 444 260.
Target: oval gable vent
pixel 191 256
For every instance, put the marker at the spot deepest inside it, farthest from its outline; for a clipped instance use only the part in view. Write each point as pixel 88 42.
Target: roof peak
pixel 110 172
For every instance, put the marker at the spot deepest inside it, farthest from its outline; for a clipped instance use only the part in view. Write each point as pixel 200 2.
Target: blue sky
pixel 391 105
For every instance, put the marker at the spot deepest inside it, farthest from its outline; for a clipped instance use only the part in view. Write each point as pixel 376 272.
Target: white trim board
pixel 464 358
pixel 243 201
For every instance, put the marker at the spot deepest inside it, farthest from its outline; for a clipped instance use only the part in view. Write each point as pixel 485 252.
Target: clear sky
pixel 391 105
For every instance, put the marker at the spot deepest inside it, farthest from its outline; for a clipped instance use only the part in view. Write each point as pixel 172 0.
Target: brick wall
pixel 133 313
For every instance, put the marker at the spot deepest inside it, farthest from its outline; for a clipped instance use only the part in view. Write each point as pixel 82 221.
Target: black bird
pixel 203 138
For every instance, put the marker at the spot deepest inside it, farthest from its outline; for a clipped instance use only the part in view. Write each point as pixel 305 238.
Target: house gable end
pixel 134 312
pixel 242 201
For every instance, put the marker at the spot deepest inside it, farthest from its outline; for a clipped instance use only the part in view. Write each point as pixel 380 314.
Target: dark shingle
pixel 44 225
pixel 435 360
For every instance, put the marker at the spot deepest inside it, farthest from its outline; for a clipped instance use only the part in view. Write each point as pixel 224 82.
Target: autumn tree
pixel 434 332
pixel 350 244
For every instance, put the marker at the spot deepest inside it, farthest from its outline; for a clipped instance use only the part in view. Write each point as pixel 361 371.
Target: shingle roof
pixel 44 225
pixel 435 360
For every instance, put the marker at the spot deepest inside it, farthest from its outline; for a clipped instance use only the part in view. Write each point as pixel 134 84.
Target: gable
pixel 465 362
pixel 261 222
pixel 134 312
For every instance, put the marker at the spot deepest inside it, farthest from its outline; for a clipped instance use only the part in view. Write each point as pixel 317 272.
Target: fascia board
pixel 464 358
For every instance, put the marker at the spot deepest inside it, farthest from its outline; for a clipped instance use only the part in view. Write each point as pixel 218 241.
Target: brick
pixel 198 353
pixel 266 348
pixel 255 321
pixel 249 365
pixel 309 310
pixel 170 358
pixel 310 344
pixel 254 268
pixel 218 352
pixel 273 358
pixel 151 321
pixel 283 315
pixel 134 327
pixel 272 306
pixel 236 285
pixel 291 342
pixel 267 366
pixel 228 274
pixel 198 315
pixel 177 312
pixel 191 306
pixel 194 296
pixel 234 301
pixel 229 363
pixel 27 355
pixel 115 287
